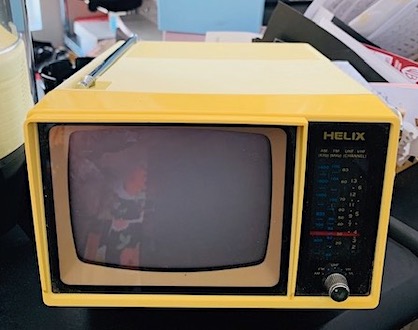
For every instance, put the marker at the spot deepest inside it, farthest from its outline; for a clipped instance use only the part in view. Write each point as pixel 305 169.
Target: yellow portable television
pixel 212 175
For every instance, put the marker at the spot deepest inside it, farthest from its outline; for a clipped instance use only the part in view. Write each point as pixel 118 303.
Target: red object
pixel 334 233
pixel 408 67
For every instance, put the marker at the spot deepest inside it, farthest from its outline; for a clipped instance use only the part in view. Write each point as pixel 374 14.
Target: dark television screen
pixel 170 198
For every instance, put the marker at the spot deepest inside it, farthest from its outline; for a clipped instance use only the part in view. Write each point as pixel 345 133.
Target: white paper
pixel 345 10
pixel 399 34
pixel 349 9
pixel 317 4
pixel 405 99
pixel 377 15
pixel 388 72
pixel 33 8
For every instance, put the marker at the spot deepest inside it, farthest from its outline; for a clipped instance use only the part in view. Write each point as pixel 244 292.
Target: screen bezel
pixel 59 242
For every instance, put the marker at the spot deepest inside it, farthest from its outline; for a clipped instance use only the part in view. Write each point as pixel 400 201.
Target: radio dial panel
pixel 343 188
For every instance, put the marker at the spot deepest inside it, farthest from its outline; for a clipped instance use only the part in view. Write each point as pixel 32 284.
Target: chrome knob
pixel 337 287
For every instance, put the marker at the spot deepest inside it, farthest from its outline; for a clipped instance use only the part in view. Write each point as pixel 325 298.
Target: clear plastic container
pixel 17 96
pixel 17 89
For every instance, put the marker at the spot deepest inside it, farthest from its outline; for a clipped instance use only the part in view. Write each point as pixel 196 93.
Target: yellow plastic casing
pixel 204 83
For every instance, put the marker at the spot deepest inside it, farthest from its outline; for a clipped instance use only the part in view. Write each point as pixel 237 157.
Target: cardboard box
pixel 91 31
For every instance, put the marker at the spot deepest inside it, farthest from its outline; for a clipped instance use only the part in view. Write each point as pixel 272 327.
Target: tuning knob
pixel 337 287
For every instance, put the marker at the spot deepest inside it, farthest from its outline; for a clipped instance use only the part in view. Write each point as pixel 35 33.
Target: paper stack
pixel 390 32
pixel 391 25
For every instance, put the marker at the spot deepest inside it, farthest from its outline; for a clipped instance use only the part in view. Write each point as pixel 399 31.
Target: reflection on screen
pixel 170 198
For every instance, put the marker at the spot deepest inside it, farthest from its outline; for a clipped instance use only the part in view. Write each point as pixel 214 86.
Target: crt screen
pixel 169 198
